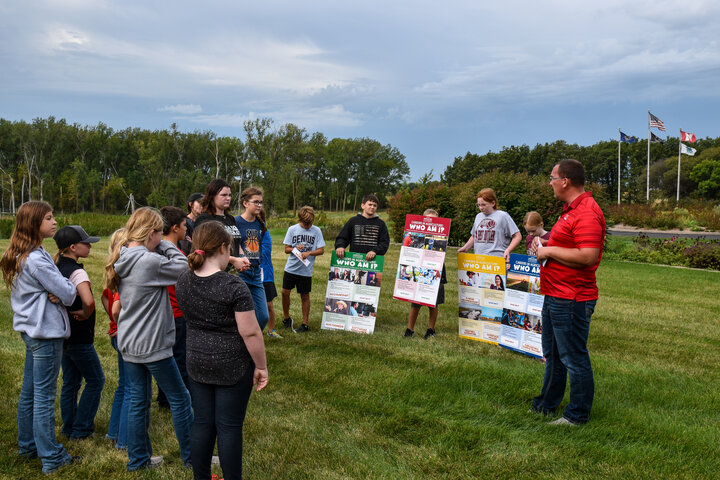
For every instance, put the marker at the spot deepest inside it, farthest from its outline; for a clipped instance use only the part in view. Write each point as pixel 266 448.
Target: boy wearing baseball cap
pixel 79 359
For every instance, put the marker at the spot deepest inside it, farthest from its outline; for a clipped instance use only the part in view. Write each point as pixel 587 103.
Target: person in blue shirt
pixel 303 242
pixel 251 232
pixel 268 278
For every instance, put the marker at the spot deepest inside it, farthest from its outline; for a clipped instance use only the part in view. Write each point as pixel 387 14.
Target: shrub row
pixel 518 193
pixel 695 253
pixel 96 224
pixel 662 216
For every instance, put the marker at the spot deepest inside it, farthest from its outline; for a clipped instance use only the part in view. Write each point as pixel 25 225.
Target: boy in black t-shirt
pixel 364 233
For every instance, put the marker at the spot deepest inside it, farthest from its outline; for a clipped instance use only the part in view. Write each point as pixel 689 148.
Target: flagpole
pixel 648 161
pixel 677 197
pixel 619 142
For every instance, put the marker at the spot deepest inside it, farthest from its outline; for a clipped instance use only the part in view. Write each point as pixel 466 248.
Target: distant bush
pixel 705 255
pixel 329 225
pixel 95 224
pixel 695 253
pixel 692 215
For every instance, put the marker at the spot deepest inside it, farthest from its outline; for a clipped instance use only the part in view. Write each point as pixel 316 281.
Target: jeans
pixel 179 354
pixel 220 413
pixel 36 406
pixel 117 429
pixel 253 279
pixel 565 330
pixel 80 361
pixel 139 387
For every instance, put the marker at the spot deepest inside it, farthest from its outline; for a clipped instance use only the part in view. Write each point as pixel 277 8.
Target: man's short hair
pixel 171 216
pixel 370 198
pixel 573 171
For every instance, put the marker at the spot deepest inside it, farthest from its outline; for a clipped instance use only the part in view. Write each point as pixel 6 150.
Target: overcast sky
pixel 435 79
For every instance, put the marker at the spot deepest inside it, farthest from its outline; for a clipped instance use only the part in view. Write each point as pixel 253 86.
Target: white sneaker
pixel 155 462
pixel 215 460
pixel 562 421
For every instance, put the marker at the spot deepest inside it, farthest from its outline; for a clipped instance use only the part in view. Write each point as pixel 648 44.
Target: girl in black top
pixel 216 206
pixel 225 351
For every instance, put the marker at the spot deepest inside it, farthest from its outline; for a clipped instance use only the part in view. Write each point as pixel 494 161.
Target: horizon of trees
pixel 699 174
pixel 95 168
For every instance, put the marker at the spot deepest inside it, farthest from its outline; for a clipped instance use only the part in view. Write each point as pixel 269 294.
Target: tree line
pixel 95 168
pixel 699 176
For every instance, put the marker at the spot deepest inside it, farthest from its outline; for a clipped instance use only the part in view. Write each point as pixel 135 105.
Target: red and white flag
pixel 687 137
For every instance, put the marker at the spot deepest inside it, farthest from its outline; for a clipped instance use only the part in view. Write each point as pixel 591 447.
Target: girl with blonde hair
pixel 140 267
pixel 117 427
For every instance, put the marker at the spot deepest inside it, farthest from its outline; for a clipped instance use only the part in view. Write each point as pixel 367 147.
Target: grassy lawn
pixel 341 405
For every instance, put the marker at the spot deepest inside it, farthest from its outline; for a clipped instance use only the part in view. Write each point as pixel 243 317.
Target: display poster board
pixel 421 259
pixel 521 325
pixel 481 296
pixel 353 292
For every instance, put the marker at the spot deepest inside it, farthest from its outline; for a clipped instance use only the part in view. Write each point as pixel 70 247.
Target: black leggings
pixel 219 413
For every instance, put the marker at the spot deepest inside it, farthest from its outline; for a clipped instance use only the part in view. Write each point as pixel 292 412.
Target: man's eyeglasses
pixel 556 178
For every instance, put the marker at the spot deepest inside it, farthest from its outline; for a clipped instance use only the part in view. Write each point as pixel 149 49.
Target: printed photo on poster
pixel 421 261
pixel 353 293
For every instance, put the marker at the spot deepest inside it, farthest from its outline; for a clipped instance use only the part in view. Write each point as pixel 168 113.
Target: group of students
pixel 494 232
pixel 188 296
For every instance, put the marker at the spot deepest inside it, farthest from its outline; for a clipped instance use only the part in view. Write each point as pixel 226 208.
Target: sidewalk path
pixel 621 230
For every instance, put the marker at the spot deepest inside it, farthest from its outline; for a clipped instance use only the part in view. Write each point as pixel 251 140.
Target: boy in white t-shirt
pixel 303 242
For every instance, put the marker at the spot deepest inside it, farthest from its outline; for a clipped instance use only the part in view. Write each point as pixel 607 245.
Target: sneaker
pixel 273 334
pixel 154 462
pixel 215 460
pixel 562 421
pixel 409 333
pixel 430 333
pixel 288 322
pixel 73 459
pixel 303 328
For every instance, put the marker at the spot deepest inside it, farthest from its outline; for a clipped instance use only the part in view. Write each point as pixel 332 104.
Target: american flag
pixel 656 122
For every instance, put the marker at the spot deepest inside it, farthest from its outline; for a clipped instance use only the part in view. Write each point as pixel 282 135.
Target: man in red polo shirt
pixel 567 279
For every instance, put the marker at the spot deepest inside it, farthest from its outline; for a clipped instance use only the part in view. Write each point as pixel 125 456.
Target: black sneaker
pixel 409 333
pixel 302 328
pixel 430 333
pixel 288 322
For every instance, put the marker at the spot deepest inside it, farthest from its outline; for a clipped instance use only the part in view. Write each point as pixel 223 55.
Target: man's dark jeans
pixel 565 330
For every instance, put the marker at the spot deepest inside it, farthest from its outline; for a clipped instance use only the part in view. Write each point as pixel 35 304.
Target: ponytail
pixel 207 240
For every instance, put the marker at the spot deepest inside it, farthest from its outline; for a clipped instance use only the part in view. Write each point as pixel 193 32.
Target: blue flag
pixel 627 139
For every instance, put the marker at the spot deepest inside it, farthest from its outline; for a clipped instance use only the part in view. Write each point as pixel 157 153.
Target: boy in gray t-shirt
pixel 303 242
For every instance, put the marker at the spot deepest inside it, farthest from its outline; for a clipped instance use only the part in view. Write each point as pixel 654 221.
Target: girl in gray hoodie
pixel 141 268
pixel 36 286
